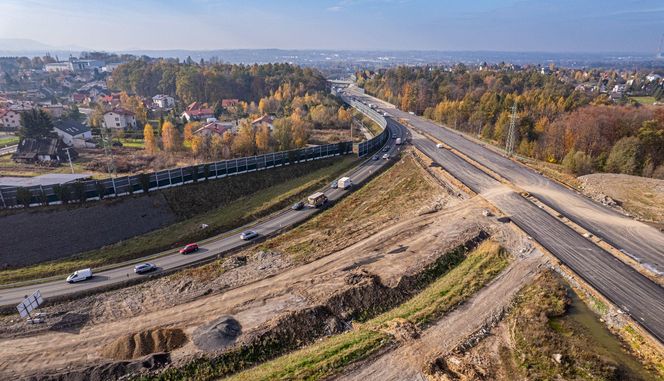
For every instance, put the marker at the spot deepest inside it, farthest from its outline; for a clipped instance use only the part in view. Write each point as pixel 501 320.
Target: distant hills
pixel 348 58
pixel 25 46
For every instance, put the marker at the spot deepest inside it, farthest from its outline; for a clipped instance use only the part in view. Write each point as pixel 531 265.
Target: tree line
pixel 555 123
pixel 210 82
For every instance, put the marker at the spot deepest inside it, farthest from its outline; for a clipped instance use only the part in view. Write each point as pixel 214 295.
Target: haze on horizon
pixel 495 25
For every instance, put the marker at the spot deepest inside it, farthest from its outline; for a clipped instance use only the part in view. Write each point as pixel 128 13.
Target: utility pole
pixel 71 166
pixel 511 134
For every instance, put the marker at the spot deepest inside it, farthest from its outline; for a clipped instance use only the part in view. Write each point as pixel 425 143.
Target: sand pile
pixel 140 344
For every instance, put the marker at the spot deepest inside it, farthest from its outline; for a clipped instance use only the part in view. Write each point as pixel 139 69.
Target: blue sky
pixel 507 25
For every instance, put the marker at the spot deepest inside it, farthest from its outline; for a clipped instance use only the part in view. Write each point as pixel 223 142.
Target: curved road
pixel 625 287
pixel 210 249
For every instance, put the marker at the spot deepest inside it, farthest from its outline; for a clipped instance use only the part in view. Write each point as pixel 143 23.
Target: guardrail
pixel 126 185
pixel 378 141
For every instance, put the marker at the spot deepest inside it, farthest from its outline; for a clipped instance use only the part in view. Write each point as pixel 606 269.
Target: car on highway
pixel 190 248
pixel 248 235
pixel 439 145
pixel 298 205
pixel 411 113
pixel 375 157
pixel 386 149
pixel 386 156
pixel 334 185
pixel 80 275
pixel 144 268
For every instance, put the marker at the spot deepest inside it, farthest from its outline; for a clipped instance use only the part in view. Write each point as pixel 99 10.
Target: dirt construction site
pixel 371 252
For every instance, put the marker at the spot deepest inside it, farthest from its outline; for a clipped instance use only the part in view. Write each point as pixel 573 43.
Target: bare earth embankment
pixel 641 197
pixel 298 286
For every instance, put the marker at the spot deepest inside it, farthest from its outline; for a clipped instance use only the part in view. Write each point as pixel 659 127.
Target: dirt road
pixel 408 361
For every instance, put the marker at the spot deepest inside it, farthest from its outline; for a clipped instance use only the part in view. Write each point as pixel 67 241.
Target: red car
pixel 190 248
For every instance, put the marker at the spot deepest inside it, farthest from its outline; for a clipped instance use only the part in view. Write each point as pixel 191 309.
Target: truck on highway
pixel 344 183
pixel 398 141
pixel 317 200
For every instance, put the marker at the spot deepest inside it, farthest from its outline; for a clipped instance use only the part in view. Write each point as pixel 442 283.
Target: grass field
pixel 237 213
pixel 8 141
pixel 132 143
pixel 330 355
pixel 644 100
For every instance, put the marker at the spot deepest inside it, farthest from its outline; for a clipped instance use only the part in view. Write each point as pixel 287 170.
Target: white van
pixel 80 275
pixel 344 183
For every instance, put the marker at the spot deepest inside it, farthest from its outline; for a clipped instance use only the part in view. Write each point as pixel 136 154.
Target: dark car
pixel 386 149
pixel 144 268
pixel 375 157
pixel 117 144
pixel 190 248
pixel 298 205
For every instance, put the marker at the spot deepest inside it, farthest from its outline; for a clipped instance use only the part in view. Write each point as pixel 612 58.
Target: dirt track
pixel 409 361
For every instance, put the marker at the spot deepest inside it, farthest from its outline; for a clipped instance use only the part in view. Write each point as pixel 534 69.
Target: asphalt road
pixel 634 293
pixel 643 243
pixel 211 248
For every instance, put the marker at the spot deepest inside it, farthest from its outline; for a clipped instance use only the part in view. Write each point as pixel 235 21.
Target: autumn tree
pixel 170 137
pixel 263 139
pixel 189 130
pixel 149 141
pixel 283 134
pixel 244 143
pixel 200 145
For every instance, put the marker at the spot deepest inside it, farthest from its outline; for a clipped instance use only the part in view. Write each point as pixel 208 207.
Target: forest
pixel 555 123
pixel 210 83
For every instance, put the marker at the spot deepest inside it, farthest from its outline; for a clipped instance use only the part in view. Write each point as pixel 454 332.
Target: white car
pixel 386 156
pixel 249 234
pixel 439 145
pixel 411 113
pixel 80 275
pixel 144 268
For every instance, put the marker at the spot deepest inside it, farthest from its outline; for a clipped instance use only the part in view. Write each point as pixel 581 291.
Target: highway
pixel 212 248
pixel 631 291
pixel 643 243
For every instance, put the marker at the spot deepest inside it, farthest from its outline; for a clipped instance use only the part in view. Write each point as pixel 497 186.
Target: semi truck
pixel 317 200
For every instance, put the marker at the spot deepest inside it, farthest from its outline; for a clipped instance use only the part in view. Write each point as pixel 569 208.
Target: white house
pixel 119 118
pixel 10 119
pixel 74 133
pixel 163 101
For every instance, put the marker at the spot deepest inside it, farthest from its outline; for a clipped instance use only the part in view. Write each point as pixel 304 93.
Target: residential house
pixel 267 120
pixel 163 101
pixel 54 110
pixel 49 151
pixel 226 103
pixel 10 119
pixel 119 118
pixel 217 127
pixel 73 133
pixel 198 111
